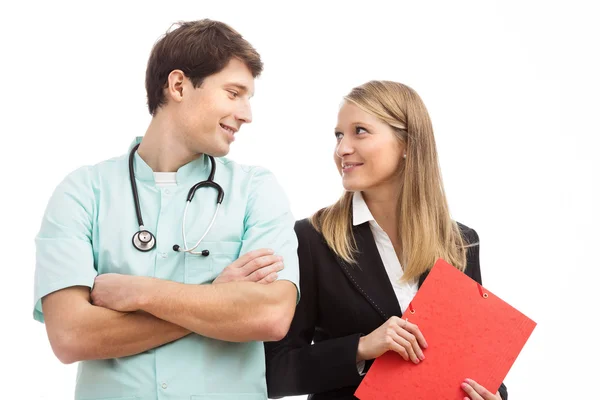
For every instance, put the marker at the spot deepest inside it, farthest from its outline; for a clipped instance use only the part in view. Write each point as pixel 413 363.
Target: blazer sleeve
pixel 474 271
pixel 294 365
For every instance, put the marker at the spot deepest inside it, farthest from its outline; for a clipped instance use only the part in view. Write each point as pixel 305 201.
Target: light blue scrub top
pixel 87 230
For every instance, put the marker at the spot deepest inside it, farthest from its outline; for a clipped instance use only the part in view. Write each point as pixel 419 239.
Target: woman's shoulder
pixel 309 235
pixel 305 228
pixel 469 234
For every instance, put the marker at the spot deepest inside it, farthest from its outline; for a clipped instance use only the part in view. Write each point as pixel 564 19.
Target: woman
pixel 363 259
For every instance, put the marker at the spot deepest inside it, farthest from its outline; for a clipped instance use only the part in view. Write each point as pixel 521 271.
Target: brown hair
pixel 425 229
pixel 199 49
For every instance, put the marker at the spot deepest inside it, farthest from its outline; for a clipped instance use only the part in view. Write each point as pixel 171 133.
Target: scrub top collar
pixel 191 172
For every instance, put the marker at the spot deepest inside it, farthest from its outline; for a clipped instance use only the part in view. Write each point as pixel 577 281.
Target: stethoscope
pixel 144 240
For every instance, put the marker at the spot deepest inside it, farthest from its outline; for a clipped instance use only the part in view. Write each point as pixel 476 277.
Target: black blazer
pixel 339 303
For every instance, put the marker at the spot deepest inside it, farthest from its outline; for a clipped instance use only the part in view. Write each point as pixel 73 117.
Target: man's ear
pixel 174 89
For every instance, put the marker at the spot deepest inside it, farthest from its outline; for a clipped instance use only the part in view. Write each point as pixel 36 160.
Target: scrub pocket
pixel 200 269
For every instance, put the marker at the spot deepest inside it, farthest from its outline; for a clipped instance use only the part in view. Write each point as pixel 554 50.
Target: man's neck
pixel 162 147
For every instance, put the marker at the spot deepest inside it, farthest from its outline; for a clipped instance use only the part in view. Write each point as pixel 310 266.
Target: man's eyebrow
pixel 241 87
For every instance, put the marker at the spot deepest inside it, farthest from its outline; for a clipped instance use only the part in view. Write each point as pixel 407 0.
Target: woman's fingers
pixel 408 346
pixel 414 329
pixel 394 346
pixel 473 395
pixel 412 334
pixel 476 391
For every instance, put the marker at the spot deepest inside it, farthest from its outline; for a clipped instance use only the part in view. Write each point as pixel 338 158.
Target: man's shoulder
pixel 240 168
pixel 89 175
pixel 249 176
pixel 117 164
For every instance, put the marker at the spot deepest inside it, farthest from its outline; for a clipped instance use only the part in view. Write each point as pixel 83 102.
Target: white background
pixel 512 89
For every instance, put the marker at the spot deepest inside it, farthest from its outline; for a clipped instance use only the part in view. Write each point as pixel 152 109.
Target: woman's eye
pixel 233 93
pixel 339 135
pixel 360 129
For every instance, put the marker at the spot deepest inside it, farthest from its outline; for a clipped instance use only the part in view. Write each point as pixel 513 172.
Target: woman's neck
pixel 383 204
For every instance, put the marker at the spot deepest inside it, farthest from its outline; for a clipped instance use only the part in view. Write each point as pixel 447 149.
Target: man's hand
pixel 118 292
pixel 259 266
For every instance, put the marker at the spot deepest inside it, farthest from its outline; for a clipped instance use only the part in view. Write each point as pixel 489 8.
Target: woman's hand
pixel 478 392
pixel 397 335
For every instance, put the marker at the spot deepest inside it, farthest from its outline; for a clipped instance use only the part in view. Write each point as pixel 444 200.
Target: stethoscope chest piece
pixel 143 240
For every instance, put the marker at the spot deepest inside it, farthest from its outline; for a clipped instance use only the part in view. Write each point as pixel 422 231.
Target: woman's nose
pixel 344 147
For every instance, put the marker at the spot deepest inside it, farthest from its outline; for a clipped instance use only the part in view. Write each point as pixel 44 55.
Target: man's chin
pixel 219 152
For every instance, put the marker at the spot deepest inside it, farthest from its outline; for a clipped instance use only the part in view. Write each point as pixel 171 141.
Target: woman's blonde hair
pixel 425 230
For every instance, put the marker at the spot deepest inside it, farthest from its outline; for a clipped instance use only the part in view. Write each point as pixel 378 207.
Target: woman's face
pixel 368 153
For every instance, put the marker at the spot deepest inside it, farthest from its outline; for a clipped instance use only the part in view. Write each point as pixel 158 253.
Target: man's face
pixel 209 116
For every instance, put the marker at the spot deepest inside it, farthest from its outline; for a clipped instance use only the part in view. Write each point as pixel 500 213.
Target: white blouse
pixel 405 291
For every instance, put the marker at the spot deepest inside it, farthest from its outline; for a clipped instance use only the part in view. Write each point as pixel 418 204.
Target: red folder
pixel 470 333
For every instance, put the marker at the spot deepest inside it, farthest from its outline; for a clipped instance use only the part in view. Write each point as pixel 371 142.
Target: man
pixel 153 317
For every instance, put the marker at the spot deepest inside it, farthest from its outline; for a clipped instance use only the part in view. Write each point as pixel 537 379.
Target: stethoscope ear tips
pixel 205 253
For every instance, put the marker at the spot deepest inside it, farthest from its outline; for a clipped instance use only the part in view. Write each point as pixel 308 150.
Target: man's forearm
pixel 237 311
pixel 81 331
pixel 111 334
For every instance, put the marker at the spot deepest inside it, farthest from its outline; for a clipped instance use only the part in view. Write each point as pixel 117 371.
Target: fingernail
pixel 422 357
pixel 463 385
pixel 271 251
pixel 280 258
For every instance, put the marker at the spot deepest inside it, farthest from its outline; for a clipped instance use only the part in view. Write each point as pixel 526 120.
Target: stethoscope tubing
pixel 144 240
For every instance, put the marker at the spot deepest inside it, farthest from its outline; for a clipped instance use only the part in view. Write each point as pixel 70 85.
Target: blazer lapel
pixel 369 275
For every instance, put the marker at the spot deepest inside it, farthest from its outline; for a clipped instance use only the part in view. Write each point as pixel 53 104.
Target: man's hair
pixel 199 49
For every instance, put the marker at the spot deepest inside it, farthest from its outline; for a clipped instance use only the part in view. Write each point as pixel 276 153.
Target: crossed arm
pixel 78 330
pixel 126 315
